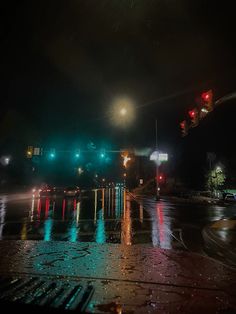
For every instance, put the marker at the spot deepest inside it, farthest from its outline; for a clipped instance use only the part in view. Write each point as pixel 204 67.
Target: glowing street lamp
pixel 122 112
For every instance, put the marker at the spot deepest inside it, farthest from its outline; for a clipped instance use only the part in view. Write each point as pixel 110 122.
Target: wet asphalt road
pixel 108 216
pixel 123 277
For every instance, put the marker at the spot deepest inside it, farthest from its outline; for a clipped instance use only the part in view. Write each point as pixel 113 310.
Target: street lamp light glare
pixel 123 111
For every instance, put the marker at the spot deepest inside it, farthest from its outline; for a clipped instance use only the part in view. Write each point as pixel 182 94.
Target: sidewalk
pixel 126 279
pixel 190 199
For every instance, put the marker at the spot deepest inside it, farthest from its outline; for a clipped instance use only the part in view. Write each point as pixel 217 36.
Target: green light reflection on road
pixel 100 231
pixel 48 224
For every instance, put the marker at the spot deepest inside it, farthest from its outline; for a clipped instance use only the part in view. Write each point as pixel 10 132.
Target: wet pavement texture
pixel 220 240
pixel 225 230
pixel 108 216
pixel 114 245
pixel 124 279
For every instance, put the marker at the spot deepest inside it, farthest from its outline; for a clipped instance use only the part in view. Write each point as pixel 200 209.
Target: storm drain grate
pixel 59 294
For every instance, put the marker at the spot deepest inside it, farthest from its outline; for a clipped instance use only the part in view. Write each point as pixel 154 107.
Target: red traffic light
pixel 182 124
pixel 192 113
pixel 184 127
pixel 207 96
pixel 160 178
pixel 207 101
pixel 194 117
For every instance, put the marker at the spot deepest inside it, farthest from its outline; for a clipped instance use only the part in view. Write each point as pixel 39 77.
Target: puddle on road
pixel 105 216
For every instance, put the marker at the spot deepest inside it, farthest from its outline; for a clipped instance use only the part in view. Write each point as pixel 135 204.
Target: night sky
pixel 64 62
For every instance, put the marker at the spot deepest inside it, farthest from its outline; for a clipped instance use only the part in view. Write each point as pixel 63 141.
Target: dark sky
pixel 64 62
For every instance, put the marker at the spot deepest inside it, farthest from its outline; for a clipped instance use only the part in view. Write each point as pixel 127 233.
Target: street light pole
pixel 157 164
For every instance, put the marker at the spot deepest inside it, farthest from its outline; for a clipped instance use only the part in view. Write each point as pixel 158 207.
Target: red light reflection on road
pixel 46 208
pixel 39 205
pixel 160 222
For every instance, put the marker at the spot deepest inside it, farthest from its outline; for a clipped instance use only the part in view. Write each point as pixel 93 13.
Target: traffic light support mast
pixel 157 164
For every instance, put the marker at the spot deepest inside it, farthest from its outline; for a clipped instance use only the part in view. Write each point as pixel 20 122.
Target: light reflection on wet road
pixel 107 216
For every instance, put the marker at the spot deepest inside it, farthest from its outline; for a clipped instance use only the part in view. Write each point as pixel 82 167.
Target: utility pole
pixel 157 164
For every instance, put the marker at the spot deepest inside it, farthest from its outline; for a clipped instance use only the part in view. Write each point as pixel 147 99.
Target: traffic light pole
pixel 157 164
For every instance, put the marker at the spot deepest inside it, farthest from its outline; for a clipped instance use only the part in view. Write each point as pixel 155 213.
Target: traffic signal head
pixel 192 114
pixel 184 128
pixel 52 154
pixel 194 117
pixel 29 152
pixel 205 96
pixel 161 178
pixel 102 154
pixel 207 100
pixel 77 154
